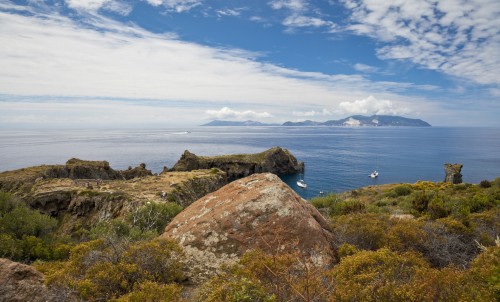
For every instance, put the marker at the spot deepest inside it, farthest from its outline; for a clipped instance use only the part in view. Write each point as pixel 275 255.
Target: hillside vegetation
pixel 402 242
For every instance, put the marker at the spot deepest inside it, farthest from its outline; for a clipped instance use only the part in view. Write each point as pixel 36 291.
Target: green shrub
pixel 349 206
pixel 402 190
pixel 26 234
pixel 420 200
pixel 485 184
pixel 437 208
pixel 154 216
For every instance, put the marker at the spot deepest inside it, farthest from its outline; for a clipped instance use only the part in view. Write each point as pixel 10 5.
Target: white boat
pixel 301 183
pixel 374 174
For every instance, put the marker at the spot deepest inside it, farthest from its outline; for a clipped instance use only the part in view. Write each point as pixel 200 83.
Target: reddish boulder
pixel 256 212
pixel 21 282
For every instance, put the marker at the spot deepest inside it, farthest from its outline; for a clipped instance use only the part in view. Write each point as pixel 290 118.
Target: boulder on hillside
pixel 20 282
pixel 275 160
pixel 256 212
pixel 452 173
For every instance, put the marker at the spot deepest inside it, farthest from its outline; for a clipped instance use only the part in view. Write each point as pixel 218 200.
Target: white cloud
pixel 294 5
pixel 305 21
pixel 228 113
pixel 365 68
pixel 457 37
pixel 178 6
pixel 312 113
pixel 228 12
pixel 115 6
pixel 298 15
pixel 371 106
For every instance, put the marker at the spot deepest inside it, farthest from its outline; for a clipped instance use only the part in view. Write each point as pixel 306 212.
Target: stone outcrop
pixel 256 212
pixel 84 169
pixel 139 171
pixel 20 283
pixel 452 173
pixel 275 160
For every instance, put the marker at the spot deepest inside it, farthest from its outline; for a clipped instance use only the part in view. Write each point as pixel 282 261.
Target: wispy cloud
pixel 459 38
pixel 116 6
pixel 228 113
pixel 365 68
pixel 178 6
pixel 299 15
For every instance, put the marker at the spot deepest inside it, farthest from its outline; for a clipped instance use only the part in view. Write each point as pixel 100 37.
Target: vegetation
pixel 407 242
pixel 25 234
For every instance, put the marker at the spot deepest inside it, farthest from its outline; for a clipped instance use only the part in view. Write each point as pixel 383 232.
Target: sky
pixel 181 63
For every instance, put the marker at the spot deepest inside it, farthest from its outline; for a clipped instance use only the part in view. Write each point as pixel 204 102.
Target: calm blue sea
pixel 336 158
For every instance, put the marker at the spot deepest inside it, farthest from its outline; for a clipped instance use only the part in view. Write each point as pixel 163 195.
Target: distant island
pixel 351 121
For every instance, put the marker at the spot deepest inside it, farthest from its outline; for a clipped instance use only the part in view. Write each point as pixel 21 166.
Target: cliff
pixel 259 211
pixel 275 160
pixel 58 191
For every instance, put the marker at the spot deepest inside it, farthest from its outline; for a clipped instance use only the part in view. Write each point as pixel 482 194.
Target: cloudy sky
pixel 180 63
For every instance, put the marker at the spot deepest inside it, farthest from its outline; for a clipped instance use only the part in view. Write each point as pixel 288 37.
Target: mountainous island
pixel 351 121
pixel 227 228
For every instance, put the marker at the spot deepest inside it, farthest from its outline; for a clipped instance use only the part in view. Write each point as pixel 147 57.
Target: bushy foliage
pixel 98 270
pixel 402 190
pixel 149 291
pixel 264 277
pixel 26 234
pixel 154 216
pixel 485 184
pixel 335 205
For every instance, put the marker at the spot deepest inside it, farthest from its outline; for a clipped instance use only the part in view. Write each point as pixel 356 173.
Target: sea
pixel 336 158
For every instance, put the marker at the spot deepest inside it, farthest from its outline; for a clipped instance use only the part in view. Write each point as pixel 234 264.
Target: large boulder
pixel 21 282
pixel 452 173
pixel 256 212
pixel 275 160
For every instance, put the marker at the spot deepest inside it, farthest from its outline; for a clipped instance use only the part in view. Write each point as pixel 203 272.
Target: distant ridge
pixel 351 121
pixel 234 123
pixel 377 120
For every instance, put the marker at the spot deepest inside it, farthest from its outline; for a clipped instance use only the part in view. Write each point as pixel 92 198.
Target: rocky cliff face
pixel 20 283
pixel 256 212
pixel 452 173
pixel 82 201
pixel 275 160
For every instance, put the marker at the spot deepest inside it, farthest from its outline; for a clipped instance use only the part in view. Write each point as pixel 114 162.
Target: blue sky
pixel 180 63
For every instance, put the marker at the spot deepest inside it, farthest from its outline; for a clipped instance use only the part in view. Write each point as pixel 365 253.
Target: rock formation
pixel 139 171
pixel 275 160
pixel 452 173
pixel 256 212
pixel 20 283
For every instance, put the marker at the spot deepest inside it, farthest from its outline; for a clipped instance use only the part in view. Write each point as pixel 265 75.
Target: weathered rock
pixel 256 212
pixel 275 160
pixel 139 171
pixel 20 282
pixel 452 173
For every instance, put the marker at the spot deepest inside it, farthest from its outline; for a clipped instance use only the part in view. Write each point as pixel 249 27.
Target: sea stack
pixel 452 173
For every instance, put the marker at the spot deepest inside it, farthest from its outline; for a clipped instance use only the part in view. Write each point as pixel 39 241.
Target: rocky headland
pixel 275 160
pixel 91 191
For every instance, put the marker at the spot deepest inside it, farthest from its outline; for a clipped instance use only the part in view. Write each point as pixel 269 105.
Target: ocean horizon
pixel 336 158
